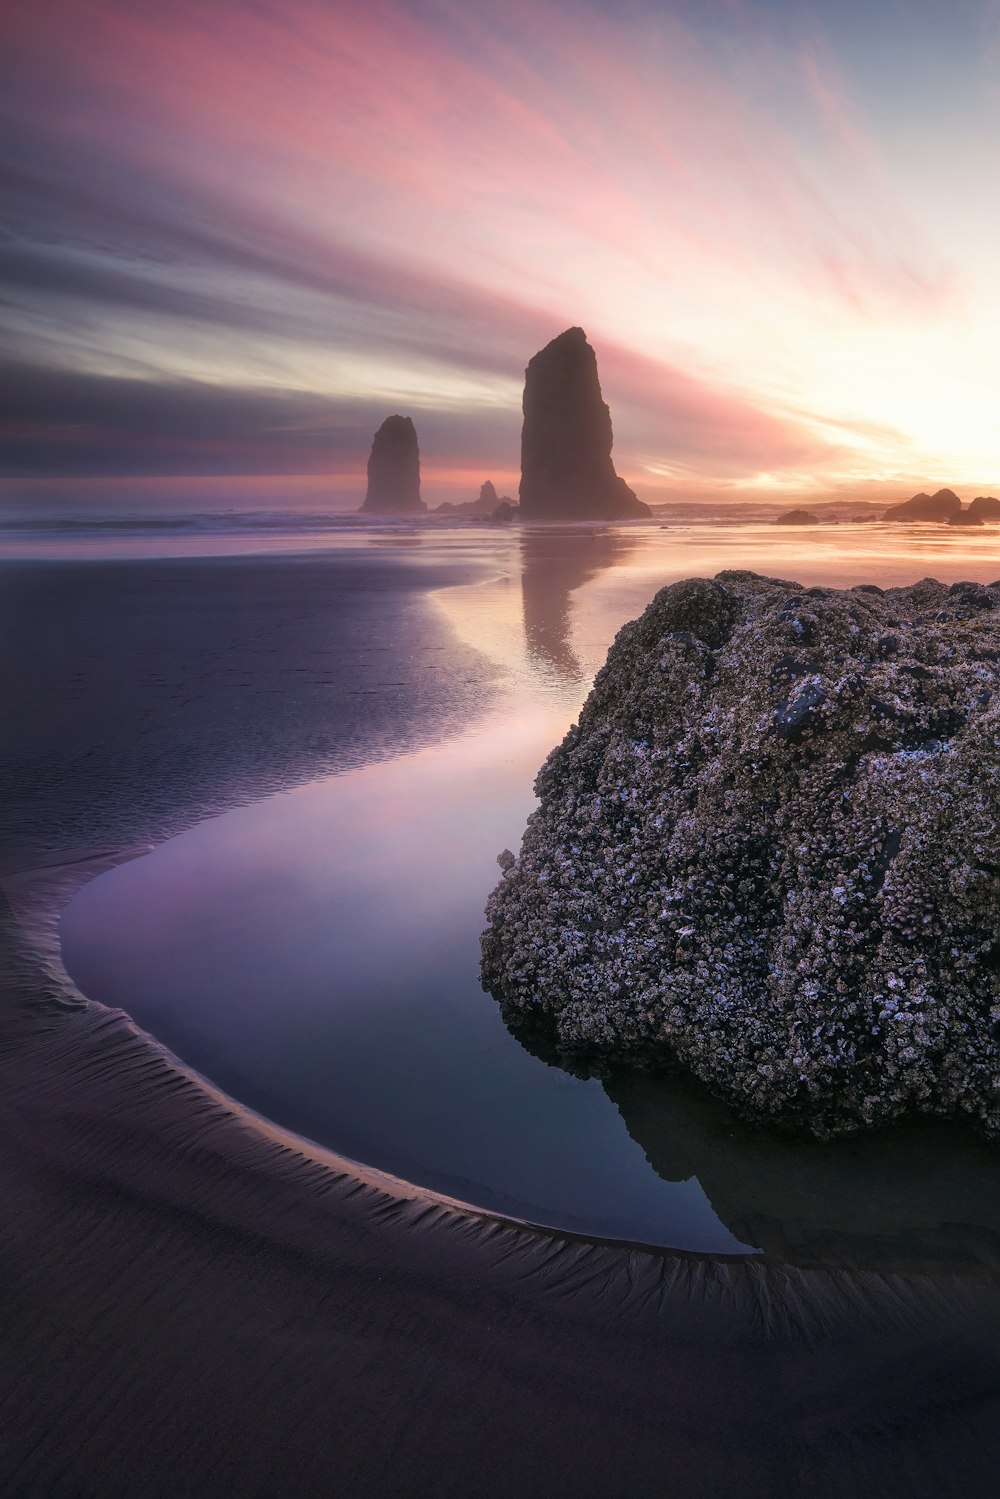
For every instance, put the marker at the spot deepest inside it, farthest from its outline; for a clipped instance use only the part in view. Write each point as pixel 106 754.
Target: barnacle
pixel 767 853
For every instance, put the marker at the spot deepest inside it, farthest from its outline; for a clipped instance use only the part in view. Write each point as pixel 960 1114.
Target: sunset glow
pixel 240 235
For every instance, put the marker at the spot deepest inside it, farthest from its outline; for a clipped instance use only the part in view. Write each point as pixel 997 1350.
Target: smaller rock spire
pixel 394 470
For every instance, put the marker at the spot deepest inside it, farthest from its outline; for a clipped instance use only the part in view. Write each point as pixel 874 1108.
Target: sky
pixel 235 236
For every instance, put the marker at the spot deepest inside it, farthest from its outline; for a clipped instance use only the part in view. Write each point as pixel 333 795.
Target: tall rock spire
pixel 566 467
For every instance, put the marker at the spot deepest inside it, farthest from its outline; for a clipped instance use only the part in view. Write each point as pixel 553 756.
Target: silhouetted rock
pixel 504 513
pixel 394 470
pixel 986 506
pixel 566 467
pixel 485 505
pixel 797 518
pixel 767 854
pixel 922 506
pixel 965 518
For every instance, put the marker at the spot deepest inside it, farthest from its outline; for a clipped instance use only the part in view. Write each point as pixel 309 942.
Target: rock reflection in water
pixel 555 561
pixel 919 1194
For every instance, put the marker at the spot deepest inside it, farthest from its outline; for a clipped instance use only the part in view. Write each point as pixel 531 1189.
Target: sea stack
pixel 566 467
pixel 923 507
pixel 394 470
pixel 483 508
pixel 797 518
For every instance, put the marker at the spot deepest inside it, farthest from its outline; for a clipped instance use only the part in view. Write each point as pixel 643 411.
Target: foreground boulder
pixel 768 854
pixel 394 470
pixel 566 467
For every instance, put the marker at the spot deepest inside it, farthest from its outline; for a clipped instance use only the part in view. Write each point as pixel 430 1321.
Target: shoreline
pixel 178 1202
pixel 196 1305
pixel 39 952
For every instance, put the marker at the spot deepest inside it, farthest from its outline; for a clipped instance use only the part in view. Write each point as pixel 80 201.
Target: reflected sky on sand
pixel 554 564
pixel 316 953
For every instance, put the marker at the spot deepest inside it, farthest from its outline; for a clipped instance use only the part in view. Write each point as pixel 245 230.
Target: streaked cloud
pixel 238 235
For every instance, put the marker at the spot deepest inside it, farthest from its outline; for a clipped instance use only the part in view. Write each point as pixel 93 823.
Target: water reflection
pixel 317 954
pixel 924 1192
pixel 918 1195
pixel 554 562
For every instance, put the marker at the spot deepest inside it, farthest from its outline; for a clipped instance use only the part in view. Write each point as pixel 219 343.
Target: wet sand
pixel 195 1304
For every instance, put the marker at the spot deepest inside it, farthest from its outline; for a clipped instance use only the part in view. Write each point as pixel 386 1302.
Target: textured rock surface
pixel 566 467
pixel 797 518
pixel 394 470
pixel 986 506
pixel 939 506
pixel 768 853
pixel 965 518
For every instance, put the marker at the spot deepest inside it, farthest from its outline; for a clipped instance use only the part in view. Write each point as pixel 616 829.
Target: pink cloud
pixel 466 188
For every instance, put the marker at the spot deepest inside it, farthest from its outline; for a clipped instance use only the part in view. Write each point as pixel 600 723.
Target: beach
pixel 197 1302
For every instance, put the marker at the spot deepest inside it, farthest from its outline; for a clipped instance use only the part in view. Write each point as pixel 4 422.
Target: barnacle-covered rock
pixel 768 854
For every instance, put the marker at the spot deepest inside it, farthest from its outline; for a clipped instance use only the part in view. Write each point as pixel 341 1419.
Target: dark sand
pixel 193 1305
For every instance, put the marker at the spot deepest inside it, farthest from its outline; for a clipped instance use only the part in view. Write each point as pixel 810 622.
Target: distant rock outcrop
pixel 766 853
pixel 965 518
pixel 504 513
pixel 394 470
pixel 939 506
pixel 986 506
pixel 797 518
pixel 566 467
pixel 485 505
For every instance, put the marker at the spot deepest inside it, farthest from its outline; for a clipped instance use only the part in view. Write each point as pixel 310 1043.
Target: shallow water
pixel 316 954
